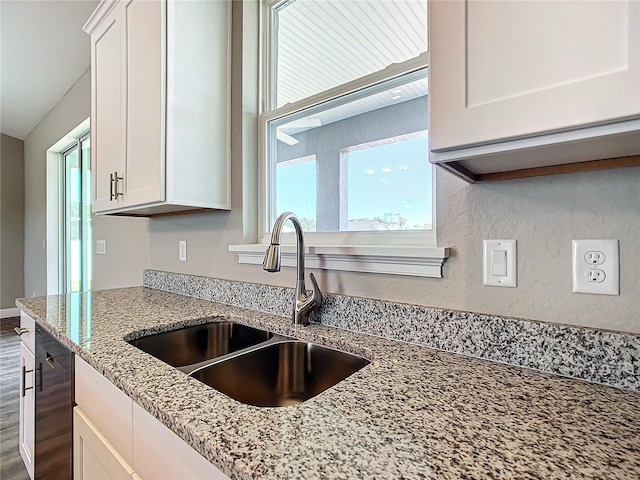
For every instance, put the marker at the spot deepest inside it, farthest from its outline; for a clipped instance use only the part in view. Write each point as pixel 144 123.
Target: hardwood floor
pixel 11 466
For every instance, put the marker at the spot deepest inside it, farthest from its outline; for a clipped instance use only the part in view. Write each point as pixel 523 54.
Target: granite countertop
pixel 414 412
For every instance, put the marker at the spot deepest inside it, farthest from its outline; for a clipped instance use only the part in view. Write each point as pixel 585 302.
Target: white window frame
pixel 411 252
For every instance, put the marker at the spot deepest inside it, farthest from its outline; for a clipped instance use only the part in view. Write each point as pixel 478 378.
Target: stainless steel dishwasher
pixel 54 396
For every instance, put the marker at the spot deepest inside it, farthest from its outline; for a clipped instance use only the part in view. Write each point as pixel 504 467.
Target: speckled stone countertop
pixel 413 413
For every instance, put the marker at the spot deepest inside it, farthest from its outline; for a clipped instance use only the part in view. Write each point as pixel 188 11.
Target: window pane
pixel 395 169
pixel 296 190
pixel 73 221
pixel 77 239
pixel 87 239
pixel 381 129
pixel 321 44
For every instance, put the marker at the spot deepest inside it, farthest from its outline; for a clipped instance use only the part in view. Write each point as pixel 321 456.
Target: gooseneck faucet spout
pixel 303 303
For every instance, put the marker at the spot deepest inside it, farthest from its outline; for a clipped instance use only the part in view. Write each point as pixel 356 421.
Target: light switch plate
pixel 499 263
pixel 596 267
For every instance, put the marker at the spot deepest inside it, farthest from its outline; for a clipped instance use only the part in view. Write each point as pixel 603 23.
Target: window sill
pixel 407 260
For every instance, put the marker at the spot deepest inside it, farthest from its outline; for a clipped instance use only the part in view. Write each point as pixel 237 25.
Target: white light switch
pixel 499 266
pixel 499 263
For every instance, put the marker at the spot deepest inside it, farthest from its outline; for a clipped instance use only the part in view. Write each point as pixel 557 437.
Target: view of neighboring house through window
pixel 76 201
pixel 346 136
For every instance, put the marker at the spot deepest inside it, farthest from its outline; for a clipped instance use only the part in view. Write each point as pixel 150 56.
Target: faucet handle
pixel 316 296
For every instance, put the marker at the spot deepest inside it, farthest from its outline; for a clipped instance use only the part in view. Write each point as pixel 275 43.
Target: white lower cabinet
pixel 94 458
pixel 114 438
pixel 27 408
pixel 27 433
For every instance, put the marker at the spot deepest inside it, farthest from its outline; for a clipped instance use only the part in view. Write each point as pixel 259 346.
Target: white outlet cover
pixel 499 267
pixel 101 247
pixel 610 266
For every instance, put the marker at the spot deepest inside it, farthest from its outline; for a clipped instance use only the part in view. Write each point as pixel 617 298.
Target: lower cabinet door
pixel 93 457
pixel 27 408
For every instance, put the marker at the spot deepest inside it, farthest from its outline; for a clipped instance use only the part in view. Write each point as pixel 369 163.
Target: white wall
pixel 127 238
pixel 544 214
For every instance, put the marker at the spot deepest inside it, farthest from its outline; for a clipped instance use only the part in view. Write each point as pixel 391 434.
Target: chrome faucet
pixel 303 303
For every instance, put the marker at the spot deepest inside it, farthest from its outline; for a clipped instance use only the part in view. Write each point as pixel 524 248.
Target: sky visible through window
pixel 390 184
pixel 296 185
pixel 389 187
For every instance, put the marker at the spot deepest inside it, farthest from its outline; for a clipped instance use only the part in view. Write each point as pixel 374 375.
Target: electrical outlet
pixel 596 275
pixel 596 267
pixel 182 250
pixel 101 247
pixel 594 257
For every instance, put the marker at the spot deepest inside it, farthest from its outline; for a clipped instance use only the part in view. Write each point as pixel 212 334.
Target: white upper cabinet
pixel 160 106
pixel 106 109
pixel 519 85
pixel 144 141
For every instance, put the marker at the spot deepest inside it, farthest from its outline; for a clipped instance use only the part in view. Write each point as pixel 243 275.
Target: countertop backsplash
pixel 599 356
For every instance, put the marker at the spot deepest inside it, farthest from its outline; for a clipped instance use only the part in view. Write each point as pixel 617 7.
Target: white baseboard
pixel 9 313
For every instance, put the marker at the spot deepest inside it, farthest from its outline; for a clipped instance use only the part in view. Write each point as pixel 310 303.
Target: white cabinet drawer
pixel 106 407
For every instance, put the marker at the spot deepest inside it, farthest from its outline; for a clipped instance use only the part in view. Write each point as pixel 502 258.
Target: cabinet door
pixel 93 456
pixel 27 408
pixel 107 120
pixel 505 69
pixel 145 85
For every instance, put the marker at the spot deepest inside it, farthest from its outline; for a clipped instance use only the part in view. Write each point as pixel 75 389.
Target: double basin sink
pixel 250 365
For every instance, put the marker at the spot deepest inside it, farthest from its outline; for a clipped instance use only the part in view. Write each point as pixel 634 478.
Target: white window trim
pixel 397 260
pixel 411 253
pixel 55 209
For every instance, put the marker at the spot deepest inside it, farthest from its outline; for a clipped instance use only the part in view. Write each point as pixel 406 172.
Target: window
pixel 348 87
pixel 343 135
pixel 76 225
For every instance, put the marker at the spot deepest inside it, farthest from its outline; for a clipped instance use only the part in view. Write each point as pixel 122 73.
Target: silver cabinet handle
pixel 50 361
pixel 20 331
pixel 111 186
pixel 24 381
pixel 116 182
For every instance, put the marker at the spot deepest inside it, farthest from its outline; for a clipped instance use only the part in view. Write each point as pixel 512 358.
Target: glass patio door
pixel 76 244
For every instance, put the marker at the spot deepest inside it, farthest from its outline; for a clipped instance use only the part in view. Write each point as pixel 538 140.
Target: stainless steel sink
pixel 285 372
pixel 191 347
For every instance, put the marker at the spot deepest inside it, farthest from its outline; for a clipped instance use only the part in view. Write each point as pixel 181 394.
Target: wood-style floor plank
pixel 11 466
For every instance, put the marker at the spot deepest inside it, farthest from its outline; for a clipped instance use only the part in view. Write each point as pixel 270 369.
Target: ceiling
pixel 43 52
pixel 325 43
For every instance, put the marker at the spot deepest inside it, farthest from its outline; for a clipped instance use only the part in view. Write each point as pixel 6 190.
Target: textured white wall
pixel 544 214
